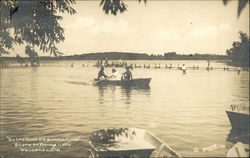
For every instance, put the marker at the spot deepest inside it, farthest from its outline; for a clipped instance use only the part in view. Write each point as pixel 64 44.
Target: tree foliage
pixel 20 60
pixel 241 5
pixel 118 6
pixel 239 53
pixel 33 56
pixel 114 6
pixel 33 22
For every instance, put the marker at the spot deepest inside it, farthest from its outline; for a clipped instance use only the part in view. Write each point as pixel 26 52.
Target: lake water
pixel 59 101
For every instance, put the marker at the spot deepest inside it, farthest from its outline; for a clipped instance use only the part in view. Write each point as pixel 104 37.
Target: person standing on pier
pixel 238 70
pixel 184 68
pixel 208 65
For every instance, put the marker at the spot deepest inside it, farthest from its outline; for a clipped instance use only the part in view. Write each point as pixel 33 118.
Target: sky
pixel 183 26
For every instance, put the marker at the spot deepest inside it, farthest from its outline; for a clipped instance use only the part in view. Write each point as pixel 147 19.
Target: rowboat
pixel 239 150
pixel 128 142
pixel 239 117
pixel 139 82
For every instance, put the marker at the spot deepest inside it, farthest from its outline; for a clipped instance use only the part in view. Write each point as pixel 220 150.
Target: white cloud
pixel 120 26
pixel 187 34
pixel 170 34
pixel 225 27
pixel 211 31
pixel 85 22
pixel 206 31
pixel 90 25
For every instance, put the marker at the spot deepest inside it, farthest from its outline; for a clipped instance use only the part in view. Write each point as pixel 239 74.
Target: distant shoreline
pixel 53 59
pixel 131 56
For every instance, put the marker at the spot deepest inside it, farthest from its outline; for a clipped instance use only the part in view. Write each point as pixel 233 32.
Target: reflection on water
pixel 77 83
pixel 129 92
pixel 101 93
pixel 235 136
pixel 126 91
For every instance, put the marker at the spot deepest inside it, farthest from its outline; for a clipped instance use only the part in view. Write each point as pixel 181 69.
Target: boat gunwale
pixel 137 82
pixel 135 79
pixel 238 112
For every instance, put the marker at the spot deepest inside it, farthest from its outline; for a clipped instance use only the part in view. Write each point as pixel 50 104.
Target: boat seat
pixel 162 151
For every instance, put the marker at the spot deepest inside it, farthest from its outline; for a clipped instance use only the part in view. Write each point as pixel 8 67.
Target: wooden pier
pixel 179 67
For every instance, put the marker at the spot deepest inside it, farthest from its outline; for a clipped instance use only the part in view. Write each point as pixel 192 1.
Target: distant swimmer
pixel 115 75
pixel 208 65
pixel 101 74
pixel 127 75
pixel 239 69
pixel 184 69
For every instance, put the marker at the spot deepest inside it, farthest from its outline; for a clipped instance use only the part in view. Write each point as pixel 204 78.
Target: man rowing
pixel 127 75
pixel 101 74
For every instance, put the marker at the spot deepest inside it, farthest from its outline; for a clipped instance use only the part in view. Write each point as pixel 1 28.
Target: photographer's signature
pixel 210 148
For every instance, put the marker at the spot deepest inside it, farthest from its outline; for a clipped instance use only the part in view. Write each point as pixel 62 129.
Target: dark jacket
pixel 100 74
pixel 128 75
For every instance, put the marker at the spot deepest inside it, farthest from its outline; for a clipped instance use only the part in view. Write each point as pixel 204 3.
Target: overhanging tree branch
pixel 33 22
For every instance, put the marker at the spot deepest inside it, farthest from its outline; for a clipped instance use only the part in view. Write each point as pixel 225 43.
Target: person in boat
pixel 127 75
pixel 101 74
pixel 115 75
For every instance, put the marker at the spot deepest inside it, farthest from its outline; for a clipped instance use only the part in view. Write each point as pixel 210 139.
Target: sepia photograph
pixel 124 78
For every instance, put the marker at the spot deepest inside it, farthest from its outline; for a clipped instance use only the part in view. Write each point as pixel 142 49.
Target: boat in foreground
pixel 238 116
pixel 239 150
pixel 128 142
pixel 139 82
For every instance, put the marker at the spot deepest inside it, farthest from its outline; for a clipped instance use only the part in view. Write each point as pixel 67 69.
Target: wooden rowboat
pixel 238 116
pixel 239 150
pixel 128 142
pixel 139 82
